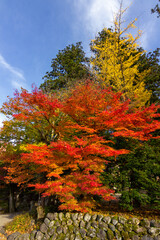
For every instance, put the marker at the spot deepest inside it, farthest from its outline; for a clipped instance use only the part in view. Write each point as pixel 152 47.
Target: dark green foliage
pixel 152 81
pixel 136 175
pixel 69 65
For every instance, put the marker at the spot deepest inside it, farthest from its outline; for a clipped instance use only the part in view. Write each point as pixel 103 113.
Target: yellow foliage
pixel 115 62
pixel 23 147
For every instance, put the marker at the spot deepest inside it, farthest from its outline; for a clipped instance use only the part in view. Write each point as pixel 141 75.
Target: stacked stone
pixel 78 226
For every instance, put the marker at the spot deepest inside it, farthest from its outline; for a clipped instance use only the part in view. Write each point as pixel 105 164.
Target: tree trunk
pixel 11 199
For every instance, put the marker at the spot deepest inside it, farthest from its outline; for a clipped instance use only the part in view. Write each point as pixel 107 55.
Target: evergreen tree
pixel 69 65
pixel 152 80
pixel 136 175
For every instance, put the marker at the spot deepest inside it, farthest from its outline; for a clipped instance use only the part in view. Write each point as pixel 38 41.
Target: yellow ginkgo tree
pixel 115 61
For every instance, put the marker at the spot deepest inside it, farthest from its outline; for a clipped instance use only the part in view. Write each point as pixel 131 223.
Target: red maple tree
pixel 73 161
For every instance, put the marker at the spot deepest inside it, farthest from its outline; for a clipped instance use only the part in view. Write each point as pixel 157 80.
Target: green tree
pixel 136 176
pixel 152 80
pixel 69 65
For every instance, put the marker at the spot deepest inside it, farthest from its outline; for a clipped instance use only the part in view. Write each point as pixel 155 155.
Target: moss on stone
pixel 110 234
pixel 128 227
pixel 134 227
pixel 57 223
pixel 119 226
pixel 117 234
pixel 115 217
pixel 131 234
pixel 61 236
pixel 125 235
pixel 71 228
pixel 145 223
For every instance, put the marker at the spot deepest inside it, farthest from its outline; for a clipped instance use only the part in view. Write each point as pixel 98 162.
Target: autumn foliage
pixel 116 61
pixel 82 128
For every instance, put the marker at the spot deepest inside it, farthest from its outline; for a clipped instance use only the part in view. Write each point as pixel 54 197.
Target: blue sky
pixel 32 32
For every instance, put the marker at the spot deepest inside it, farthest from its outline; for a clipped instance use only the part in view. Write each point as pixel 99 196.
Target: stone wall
pixel 77 226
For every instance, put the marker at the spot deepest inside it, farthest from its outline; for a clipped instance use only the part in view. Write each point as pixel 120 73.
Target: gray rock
pixel 76 230
pixel 117 235
pixel 51 231
pixel 107 219
pixel 33 234
pixel 54 237
pixel 99 218
pixel 91 232
pixel 88 225
pixel 146 237
pixel 157 237
pixel 52 223
pixel 101 234
pixel 94 217
pixel 154 231
pixel 83 232
pixel 82 224
pixel 72 236
pixel 140 230
pixel 65 229
pixel 135 221
pixel 74 216
pixel 50 216
pixel 78 237
pixel 114 221
pixel 63 223
pixel 57 224
pixel 94 224
pixel 103 226
pixel 43 228
pixel 87 217
pixel 55 216
pixel 68 215
pixel 59 230
pixel 39 235
pixel 13 236
pixel 119 226
pixel 61 216
pixel 135 237
pixel 40 212
pixel 20 237
pixel 66 238
pixel 154 223
pixel 2 230
pixel 122 220
pixel 69 222
pixel 26 236
pixel 76 223
pixel 80 216
pixel 145 223
pixel 47 221
pixel 46 237
pixel 112 227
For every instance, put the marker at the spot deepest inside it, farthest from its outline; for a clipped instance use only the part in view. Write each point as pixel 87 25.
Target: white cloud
pixel 95 14
pixel 13 70
pixel 2 118
pixel 91 16
pixel 149 34
pixel 14 75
